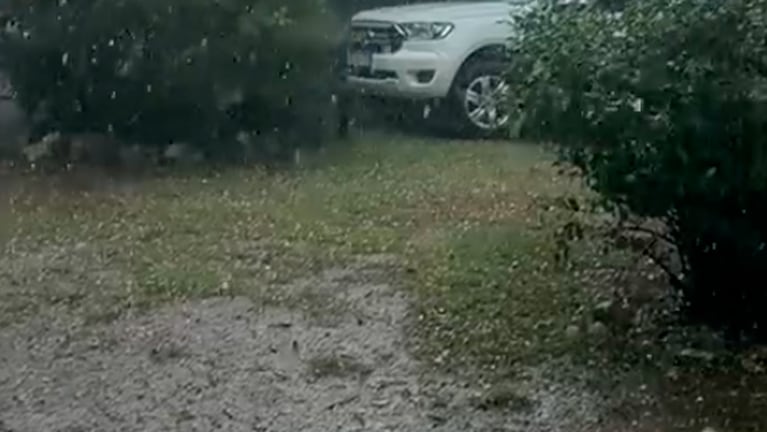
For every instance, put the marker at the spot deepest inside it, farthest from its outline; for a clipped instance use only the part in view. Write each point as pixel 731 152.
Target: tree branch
pixel 676 281
pixel 665 237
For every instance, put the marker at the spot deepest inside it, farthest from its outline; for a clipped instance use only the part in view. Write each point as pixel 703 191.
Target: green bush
pixel 161 71
pixel 663 107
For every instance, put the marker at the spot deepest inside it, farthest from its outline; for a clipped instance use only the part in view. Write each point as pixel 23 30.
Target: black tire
pixel 457 114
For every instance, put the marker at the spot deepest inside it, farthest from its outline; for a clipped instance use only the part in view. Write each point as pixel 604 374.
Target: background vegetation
pixel 662 106
pixel 205 73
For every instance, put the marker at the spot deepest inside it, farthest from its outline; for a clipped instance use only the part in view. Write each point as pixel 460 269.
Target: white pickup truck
pixel 449 55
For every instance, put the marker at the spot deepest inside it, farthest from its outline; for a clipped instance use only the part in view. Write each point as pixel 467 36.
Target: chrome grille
pixel 375 37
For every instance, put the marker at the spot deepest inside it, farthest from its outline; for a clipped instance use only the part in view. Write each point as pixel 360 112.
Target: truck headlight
pixel 426 30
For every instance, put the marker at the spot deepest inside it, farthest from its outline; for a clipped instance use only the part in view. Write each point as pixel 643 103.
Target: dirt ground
pixel 229 364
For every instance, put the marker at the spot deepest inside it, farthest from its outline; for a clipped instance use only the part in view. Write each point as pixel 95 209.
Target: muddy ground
pixel 230 364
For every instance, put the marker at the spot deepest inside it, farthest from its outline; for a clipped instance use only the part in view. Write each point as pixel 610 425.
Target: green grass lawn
pixel 471 223
pixel 462 216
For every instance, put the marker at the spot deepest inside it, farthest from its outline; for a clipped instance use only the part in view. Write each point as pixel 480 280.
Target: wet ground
pixel 237 364
pixel 229 364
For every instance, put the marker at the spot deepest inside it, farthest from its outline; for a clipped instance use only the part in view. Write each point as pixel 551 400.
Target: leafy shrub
pixel 161 71
pixel 663 108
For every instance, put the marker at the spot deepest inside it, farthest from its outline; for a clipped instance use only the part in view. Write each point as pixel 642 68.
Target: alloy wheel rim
pixel 485 102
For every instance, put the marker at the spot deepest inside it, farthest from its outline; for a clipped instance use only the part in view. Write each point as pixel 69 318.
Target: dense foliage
pixel 663 107
pixel 161 71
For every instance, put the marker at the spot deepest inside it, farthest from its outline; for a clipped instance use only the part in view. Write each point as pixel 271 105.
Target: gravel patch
pixel 231 364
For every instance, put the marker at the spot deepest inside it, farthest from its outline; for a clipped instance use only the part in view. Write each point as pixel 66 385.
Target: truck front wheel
pixel 479 99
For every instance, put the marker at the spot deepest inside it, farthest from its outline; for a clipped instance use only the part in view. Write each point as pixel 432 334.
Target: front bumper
pixel 406 73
